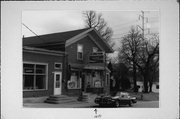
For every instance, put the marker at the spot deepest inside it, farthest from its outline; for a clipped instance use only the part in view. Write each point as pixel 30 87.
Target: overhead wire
pixel 30 29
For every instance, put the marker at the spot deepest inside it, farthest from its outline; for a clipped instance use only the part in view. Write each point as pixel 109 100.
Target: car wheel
pixel 130 103
pixel 117 104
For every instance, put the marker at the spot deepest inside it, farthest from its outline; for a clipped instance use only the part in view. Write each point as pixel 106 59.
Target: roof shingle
pixel 51 38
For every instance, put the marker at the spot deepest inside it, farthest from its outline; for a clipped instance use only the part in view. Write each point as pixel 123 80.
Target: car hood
pixel 115 97
pixel 133 97
pixel 107 97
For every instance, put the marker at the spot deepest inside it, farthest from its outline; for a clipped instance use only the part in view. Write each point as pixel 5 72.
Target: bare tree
pixel 141 54
pixel 148 60
pixel 95 20
pixel 129 51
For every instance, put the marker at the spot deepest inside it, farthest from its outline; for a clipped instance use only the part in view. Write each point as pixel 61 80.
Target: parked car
pixel 122 98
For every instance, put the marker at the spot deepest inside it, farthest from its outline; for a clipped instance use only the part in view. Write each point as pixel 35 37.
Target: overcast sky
pixel 45 22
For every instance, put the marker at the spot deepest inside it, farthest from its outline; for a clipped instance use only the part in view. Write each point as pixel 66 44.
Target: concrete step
pixel 60 99
pixel 63 98
pixel 84 98
pixel 60 96
pixel 91 96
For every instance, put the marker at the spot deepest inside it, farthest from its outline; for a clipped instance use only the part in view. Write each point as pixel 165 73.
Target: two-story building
pixel 81 56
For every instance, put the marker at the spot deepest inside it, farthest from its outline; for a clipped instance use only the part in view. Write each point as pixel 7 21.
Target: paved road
pixel 147 104
pixel 139 104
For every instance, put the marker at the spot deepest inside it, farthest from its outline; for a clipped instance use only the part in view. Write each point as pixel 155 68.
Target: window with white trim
pixel 57 65
pixel 80 52
pixel 34 76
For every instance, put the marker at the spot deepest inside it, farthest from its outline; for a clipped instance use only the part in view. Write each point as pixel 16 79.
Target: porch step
pixel 91 96
pixel 60 99
pixel 83 98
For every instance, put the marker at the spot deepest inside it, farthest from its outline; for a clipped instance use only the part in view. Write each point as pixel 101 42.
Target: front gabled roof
pixel 63 38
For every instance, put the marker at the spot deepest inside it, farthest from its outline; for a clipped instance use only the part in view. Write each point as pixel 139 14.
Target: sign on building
pixel 97 57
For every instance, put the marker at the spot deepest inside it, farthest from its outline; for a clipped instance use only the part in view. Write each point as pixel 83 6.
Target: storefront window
pixel 97 80
pixel 34 76
pixel 28 81
pixel 75 81
pixel 97 84
pixel 94 79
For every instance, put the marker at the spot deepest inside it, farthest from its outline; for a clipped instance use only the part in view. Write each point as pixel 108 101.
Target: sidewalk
pixel 65 105
pixel 39 103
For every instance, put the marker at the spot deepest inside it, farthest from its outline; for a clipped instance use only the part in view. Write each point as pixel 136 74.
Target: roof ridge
pixel 57 33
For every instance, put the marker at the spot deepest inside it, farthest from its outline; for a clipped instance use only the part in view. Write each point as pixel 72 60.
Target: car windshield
pixel 122 94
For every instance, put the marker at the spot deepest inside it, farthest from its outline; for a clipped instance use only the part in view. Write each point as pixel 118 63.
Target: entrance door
pixel 57 83
pixel 82 84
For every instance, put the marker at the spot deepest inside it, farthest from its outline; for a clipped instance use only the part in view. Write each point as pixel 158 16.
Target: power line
pixel 130 22
pixel 120 34
pixel 29 29
pixel 119 28
pixel 33 32
pixel 123 35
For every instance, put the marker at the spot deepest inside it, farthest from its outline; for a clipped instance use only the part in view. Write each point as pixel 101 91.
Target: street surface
pixel 139 104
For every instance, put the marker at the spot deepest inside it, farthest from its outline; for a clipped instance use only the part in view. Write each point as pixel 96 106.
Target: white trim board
pixel 81 37
pixel 45 53
pixel 77 37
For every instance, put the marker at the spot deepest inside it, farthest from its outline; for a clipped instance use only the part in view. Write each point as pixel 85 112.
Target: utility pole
pixel 142 23
pixel 143 18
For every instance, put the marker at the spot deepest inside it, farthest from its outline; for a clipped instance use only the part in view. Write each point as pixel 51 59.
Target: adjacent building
pixel 43 70
pixel 65 63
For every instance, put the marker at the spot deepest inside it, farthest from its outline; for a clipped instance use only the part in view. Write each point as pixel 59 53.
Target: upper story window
pixel 80 52
pixel 95 49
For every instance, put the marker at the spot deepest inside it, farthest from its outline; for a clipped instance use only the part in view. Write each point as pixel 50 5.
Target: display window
pixel 97 80
pixel 75 81
pixel 34 76
pixel 94 79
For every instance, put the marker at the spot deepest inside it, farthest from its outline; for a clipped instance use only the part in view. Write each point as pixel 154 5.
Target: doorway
pixel 57 83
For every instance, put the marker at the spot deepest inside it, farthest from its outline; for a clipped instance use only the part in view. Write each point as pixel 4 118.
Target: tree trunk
pixel 145 82
pixel 117 85
pixel 134 77
pixel 150 86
